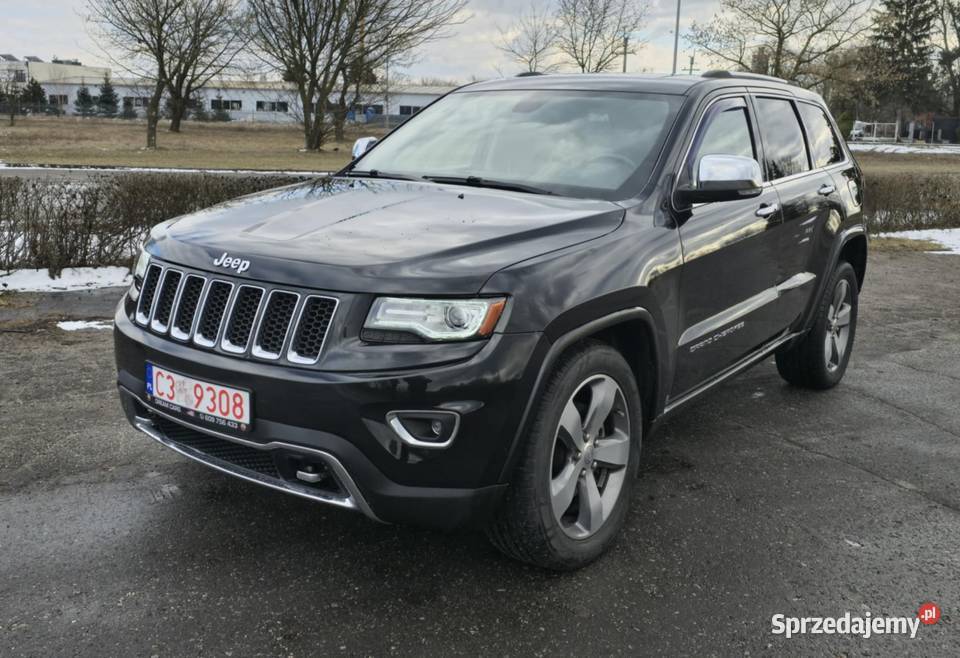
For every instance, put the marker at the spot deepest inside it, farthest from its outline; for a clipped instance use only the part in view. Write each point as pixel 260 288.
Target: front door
pixel 730 253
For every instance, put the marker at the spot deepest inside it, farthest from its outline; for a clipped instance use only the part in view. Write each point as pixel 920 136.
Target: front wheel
pixel 571 489
pixel 819 360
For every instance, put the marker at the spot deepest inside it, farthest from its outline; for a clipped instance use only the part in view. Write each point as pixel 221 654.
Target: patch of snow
pixel 77 325
pixel 948 237
pixel 72 278
pixel 922 149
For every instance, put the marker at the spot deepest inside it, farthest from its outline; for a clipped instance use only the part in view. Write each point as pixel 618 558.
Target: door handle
pixel 826 190
pixel 768 210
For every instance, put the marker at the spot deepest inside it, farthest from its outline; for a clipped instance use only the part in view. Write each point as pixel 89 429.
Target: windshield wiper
pixel 477 181
pixel 375 173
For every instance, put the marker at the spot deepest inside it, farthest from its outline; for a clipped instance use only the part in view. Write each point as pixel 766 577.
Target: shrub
pixel 102 220
pixel 902 201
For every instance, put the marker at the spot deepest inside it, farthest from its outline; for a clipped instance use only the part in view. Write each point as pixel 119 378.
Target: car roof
pixel 656 84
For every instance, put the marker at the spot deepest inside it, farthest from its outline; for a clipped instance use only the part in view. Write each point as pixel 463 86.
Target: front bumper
pixel 337 424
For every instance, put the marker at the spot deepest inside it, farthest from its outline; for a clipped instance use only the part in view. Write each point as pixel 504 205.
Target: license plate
pixel 198 400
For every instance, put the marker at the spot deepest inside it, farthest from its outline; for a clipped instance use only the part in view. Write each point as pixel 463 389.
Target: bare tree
pixel 531 41
pixel 310 43
pixel 591 33
pixel 210 39
pixel 789 39
pixel 391 32
pixel 140 35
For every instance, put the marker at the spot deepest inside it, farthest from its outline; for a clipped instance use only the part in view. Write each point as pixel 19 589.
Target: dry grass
pixel 908 163
pixel 904 245
pixel 234 145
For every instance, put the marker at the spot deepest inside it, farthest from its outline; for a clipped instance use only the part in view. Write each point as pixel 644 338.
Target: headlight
pixel 434 319
pixel 139 271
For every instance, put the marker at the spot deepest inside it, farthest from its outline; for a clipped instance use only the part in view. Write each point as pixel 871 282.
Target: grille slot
pixel 275 324
pixel 187 309
pixel 312 326
pixel 165 300
pixel 148 293
pixel 243 315
pixel 215 304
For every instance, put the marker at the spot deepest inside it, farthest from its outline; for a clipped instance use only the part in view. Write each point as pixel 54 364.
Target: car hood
pixel 381 236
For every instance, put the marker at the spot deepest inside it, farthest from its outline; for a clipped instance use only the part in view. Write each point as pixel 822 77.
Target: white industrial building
pixel 244 100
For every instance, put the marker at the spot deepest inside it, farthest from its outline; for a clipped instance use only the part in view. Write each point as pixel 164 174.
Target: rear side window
pixel 824 146
pixel 785 153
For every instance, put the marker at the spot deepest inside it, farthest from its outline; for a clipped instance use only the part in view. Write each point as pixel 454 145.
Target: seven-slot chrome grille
pixel 233 317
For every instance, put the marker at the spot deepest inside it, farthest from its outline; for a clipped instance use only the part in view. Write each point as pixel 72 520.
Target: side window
pixel 824 147
pixel 785 153
pixel 726 132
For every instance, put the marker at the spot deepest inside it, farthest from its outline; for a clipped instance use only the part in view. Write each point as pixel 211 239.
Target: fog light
pixel 425 429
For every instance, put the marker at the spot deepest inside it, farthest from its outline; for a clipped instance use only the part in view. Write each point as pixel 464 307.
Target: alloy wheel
pixel 838 326
pixel 590 455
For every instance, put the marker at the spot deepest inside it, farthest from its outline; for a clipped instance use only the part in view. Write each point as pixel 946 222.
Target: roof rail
pixel 527 74
pixel 743 74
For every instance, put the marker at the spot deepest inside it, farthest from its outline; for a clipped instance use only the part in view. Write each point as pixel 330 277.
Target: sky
pixel 57 28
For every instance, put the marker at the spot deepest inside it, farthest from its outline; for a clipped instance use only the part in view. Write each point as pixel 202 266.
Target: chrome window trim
pixel 225 343
pixel 292 356
pixel 255 349
pixel 155 326
pixel 197 338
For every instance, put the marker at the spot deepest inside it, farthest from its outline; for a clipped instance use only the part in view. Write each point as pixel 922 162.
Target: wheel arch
pixel 854 251
pixel 633 332
pixel 851 246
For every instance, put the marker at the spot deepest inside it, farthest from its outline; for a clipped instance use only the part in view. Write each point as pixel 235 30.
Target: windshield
pixel 573 143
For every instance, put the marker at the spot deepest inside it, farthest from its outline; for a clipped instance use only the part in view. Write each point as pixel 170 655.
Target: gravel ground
pixel 756 500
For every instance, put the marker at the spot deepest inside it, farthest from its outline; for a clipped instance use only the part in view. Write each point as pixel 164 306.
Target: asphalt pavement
pixel 757 500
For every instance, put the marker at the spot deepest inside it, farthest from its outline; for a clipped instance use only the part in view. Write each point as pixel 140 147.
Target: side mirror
pixel 363 145
pixel 723 178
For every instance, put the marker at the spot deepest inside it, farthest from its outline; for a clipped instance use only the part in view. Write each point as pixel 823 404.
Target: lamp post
pixel 676 39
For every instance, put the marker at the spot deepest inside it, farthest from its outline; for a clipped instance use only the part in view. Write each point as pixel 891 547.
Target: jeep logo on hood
pixel 238 264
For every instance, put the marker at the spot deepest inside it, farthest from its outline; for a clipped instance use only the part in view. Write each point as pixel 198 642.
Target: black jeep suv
pixel 483 314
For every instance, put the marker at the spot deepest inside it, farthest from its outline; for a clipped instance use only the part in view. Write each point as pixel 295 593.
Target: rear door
pixel 796 153
pixel 730 256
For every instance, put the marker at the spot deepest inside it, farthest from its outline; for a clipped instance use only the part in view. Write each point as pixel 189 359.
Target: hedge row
pixel 900 202
pixel 102 220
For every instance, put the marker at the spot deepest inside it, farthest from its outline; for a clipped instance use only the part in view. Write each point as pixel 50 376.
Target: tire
pixel 601 471
pixel 807 363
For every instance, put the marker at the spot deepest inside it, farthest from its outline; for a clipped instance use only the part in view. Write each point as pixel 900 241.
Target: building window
pixel 135 101
pixel 373 109
pixel 220 104
pixel 408 110
pixel 59 99
pixel 271 106
pixel 20 76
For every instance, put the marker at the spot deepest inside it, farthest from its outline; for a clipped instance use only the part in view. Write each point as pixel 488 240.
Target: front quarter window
pixel 573 143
